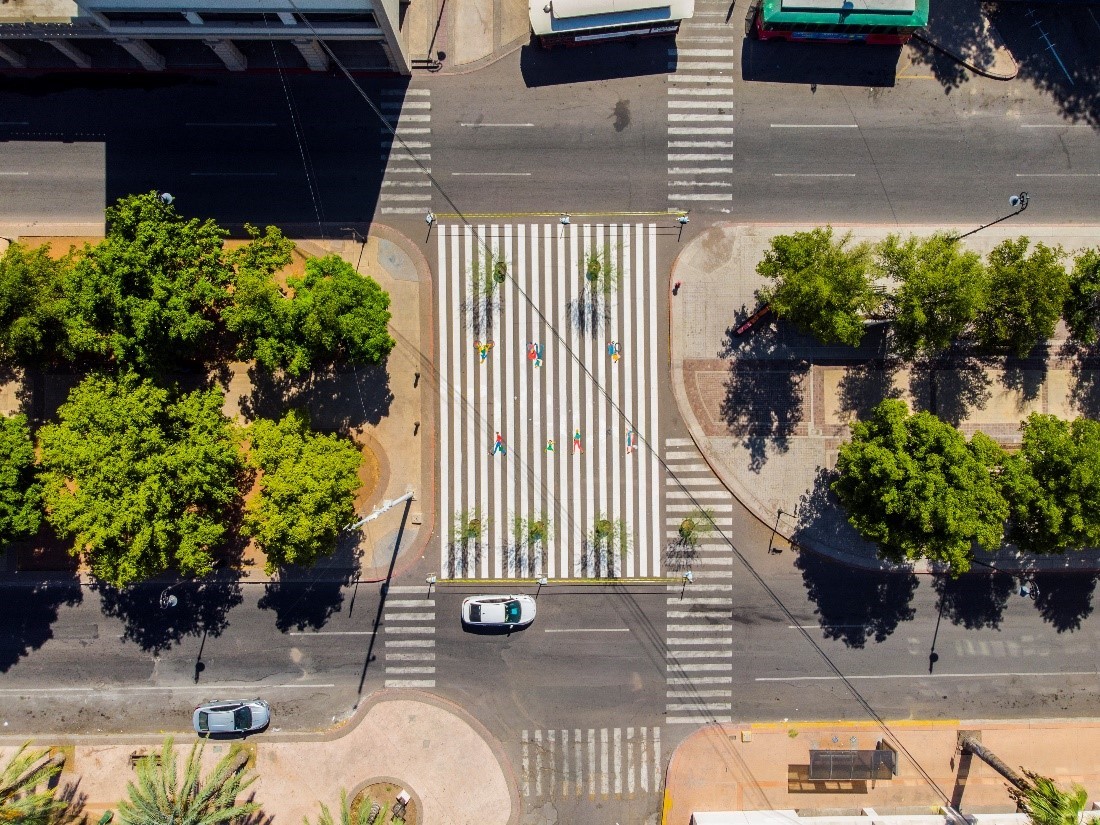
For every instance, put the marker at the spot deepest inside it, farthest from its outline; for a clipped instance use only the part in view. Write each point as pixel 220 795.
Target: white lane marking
pixel 618 760
pixel 526 759
pixel 497 125
pixel 538 763
pixel 679 707
pixel 700 144
pixel 331 633
pixel 813 174
pixel 410 657
pixel 592 761
pixel 700 170
pixel 700 130
pixel 411 670
pixel 604 784
pixel 406 92
pixel 153 688
pixel 407 617
pixel 1060 175
pixel 491 174
pixel 564 756
pixel 702 694
pixel 630 760
pixel 699 680
pixel 229 124
pixel 643 760
pixel 13 174
pixel 1055 126
pixel 700 52
pixel 1036 674
pixel 410 683
pixel 701 78
pixel 675 118
pixel 587 630
pixel 815 125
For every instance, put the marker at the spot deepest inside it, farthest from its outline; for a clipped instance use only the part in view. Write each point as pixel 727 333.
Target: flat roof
pixel 38 11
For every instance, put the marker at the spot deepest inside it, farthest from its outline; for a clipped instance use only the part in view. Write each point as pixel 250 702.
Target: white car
pixel 498 611
pixel 222 716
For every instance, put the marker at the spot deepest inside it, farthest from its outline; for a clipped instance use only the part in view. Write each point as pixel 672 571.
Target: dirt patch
pixel 370 475
pixel 390 810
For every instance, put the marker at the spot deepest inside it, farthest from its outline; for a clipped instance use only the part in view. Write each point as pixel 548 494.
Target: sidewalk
pixel 769 409
pixel 765 766
pixel 466 34
pixel 390 410
pixel 962 30
pixel 415 740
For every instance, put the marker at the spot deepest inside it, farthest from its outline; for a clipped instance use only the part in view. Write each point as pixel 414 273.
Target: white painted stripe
pixel 630 760
pixel 447 507
pixel 1060 175
pixel 497 125
pixel 330 633
pixel 877 676
pixel 410 643
pixel 813 174
pixel 654 434
pixel 656 755
pixel 700 144
pixel 421 197
pixel 525 759
pixel 564 738
pixel 674 656
pixel 586 630
pixel 412 631
pixel 405 118
pixel 696 719
pixel 696 196
pixel 407 144
pixel 700 52
pixel 409 670
pixel 643 761
pixel 697 66
pixel 538 763
pixel 408 588
pixel 409 657
pixel 408 184
pixel 679 707
pixel 407 170
pixel 699 680
pixel 677 641
pixel 695 92
pixel 691 628
pixel 707 495
pixel 702 667
pixel 815 126
pixel 700 170
pixel 701 694
pixel 24 174
pixel 577 763
pixel 406 92
pixel 702 78
pixel 678 118
pixel 698 614
pixel 693 104
pixel 411 130
pixel 618 740
pixel 401 210
pixel 406 105
pixel 491 174
pixel 673 441
pixel 410 683
pixel 591 762
pixel 163 688
pixel 604 784
pixel 409 617
pixel 1055 126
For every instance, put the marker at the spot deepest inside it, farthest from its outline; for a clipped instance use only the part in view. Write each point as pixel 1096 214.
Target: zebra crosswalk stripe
pixel 408 620
pixel 578 387
pixel 408 112
pixel 597 762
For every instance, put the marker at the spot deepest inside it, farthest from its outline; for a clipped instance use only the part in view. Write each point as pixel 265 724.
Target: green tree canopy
pixel 334 314
pixel 1053 485
pixel 160 795
pixel 26 796
pixel 32 304
pixel 139 478
pixel 940 290
pixel 915 486
pixel 307 490
pixel 150 292
pixel 1082 309
pixel 820 284
pixel 1026 296
pixel 20 495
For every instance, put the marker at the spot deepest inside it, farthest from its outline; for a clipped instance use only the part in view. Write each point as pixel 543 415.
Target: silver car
pixel 229 716
pixel 498 611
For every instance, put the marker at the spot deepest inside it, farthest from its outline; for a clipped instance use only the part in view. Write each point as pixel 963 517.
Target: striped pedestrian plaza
pixel 532 508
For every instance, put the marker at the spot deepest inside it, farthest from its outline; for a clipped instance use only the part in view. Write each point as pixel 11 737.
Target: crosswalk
pixel 406 188
pixel 408 621
pixel 699 640
pixel 573 491
pixel 591 762
pixel 701 110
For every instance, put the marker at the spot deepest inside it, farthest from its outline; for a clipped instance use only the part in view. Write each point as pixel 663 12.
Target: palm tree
pixel 1047 804
pixel 20 798
pixel 159 796
pixel 347 816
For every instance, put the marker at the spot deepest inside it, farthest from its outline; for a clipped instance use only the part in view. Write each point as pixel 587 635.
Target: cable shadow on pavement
pixel 856 606
pixel 202 607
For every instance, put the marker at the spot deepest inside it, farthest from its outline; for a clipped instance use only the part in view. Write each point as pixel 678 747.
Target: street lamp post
pixel 541 580
pixel 1017 202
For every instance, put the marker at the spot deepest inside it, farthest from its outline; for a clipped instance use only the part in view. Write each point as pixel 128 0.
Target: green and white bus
pixel 839 21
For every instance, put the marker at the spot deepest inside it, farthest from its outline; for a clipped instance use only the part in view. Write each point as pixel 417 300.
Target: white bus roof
pixel 549 16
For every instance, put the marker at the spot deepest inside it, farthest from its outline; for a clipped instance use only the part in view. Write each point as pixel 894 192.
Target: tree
pixel 26 796
pixel 32 305
pixel 1047 804
pixel 347 815
pixel 941 288
pixel 342 314
pixel 259 315
pixel 1053 485
pixel 307 490
pixel 823 286
pixel 149 294
pixel 20 495
pixel 159 795
pixel 1082 309
pixel 1026 296
pixel 915 486
pixel 139 477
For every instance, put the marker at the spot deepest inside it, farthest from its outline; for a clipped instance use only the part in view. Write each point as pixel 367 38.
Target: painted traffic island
pixel 388 802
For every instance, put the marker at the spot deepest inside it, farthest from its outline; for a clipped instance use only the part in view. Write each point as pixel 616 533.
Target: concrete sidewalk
pixel 465 35
pixel 735 767
pixel 415 740
pixel 390 410
pixel 769 409
pixel 962 30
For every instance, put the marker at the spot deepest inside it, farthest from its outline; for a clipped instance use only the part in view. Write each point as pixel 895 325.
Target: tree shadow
pixel 951 385
pixel 680 555
pixel 821 520
pixel 1065 599
pixel 1085 371
pixel 961 24
pixel 853 605
pixel 307 597
pixel 864 386
pixel 1026 376
pixel 589 313
pixel 975 600
pixel 28 610
pixel 339 399
pixel 202 607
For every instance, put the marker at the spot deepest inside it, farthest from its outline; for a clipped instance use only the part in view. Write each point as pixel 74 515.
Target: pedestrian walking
pixel 631 441
pixel 614 349
pixel 498 446
pixel 549 445
pixel 534 353
pixel 578 447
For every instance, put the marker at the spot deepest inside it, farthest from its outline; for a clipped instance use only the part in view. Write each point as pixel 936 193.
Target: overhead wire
pixel 872 714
